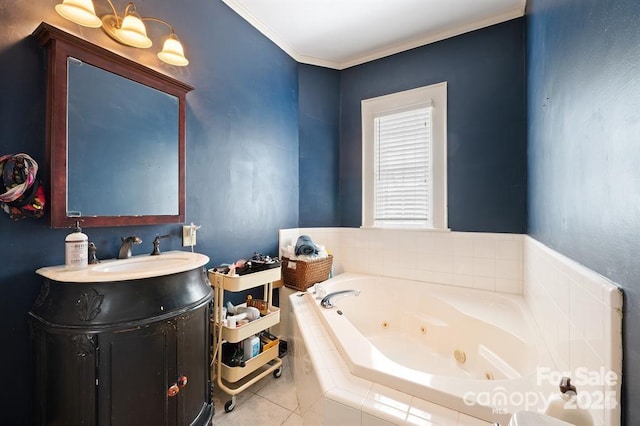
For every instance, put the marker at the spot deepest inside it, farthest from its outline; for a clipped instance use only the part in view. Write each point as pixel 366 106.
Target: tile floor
pixel 268 402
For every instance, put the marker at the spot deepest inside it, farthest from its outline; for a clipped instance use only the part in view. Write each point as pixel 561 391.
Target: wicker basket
pixel 300 275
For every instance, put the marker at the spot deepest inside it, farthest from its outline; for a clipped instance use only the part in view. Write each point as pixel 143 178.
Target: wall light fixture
pixel 126 28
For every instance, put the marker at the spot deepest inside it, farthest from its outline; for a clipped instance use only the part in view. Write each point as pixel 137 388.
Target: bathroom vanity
pixel 124 342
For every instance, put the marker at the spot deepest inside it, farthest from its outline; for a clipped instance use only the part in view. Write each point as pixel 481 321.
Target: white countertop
pixel 136 267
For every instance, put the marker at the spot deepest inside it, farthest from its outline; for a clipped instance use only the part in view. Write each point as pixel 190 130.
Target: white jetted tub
pixel 472 351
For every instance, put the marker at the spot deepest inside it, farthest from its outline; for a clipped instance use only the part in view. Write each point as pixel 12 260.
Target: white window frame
pixel 434 95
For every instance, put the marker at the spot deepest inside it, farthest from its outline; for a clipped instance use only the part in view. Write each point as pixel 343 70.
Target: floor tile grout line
pixel 287 419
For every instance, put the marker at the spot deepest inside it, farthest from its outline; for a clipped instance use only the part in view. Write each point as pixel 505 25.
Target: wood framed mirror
pixel 115 137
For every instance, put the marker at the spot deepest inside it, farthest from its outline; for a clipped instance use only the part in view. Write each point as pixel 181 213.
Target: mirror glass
pixel 122 145
pixel 115 136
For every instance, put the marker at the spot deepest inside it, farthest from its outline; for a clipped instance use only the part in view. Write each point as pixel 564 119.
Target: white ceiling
pixel 342 33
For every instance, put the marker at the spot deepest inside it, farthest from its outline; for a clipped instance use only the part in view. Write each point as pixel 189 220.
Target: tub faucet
pixel 125 248
pixel 329 299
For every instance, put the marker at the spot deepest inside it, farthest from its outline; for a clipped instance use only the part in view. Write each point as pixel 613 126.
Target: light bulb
pixel 172 52
pixel 133 32
pixel 80 12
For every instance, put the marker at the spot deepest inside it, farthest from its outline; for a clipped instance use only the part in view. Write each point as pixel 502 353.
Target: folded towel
pixel 304 245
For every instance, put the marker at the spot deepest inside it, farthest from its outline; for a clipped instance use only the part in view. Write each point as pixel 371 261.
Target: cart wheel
pixel 229 406
pixel 277 373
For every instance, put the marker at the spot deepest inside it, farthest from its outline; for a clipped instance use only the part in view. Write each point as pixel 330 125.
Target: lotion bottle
pixel 251 346
pixel 76 249
pixel 565 406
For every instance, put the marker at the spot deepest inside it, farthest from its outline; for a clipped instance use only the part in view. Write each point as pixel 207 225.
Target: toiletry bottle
pixel 565 406
pixel 251 347
pixel 76 249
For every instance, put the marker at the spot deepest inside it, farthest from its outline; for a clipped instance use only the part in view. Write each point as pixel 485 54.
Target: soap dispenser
pixel 76 249
pixel 565 406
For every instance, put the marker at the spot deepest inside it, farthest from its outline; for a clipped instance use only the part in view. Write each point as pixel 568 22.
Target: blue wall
pixel 584 147
pixel 486 124
pixel 319 120
pixel 267 150
pixel 242 153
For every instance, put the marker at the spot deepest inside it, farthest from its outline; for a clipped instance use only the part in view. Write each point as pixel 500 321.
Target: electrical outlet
pixel 188 235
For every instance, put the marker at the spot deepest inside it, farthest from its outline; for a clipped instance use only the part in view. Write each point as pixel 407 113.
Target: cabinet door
pixel 65 378
pixel 194 400
pixel 135 369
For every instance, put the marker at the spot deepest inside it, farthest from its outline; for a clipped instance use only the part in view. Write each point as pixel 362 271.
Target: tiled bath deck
pixel 273 402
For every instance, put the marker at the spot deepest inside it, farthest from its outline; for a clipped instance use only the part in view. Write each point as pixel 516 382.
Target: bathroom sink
pixel 136 267
pixel 139 264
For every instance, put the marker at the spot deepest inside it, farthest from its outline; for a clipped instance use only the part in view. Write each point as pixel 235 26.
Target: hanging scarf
pixel 21 194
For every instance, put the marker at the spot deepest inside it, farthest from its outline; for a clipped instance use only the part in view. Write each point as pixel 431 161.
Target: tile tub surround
pixel 579 311
pixel 486 261
pixel 581 314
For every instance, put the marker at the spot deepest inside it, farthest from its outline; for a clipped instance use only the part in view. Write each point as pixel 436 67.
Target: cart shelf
pixel 234 374
pixel 234 380
pixel 244 282
pixel 238 334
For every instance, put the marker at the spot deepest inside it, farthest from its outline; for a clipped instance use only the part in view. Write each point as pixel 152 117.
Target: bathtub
pixel 452 350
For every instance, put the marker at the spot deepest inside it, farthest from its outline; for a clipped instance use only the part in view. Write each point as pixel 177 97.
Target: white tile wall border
pixel 488 261
pixel 578 310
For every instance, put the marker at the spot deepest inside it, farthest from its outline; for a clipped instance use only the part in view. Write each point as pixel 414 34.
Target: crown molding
pixel 372 55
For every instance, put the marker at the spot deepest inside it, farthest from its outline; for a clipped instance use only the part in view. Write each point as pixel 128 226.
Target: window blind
pixel 403 167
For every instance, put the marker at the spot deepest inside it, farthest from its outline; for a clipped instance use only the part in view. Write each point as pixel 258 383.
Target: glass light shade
pixel 132 32
pixel 80 12
pixel 172 52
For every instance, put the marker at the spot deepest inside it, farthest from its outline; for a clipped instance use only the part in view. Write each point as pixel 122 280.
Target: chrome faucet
pixel 125 248
pixel 329 299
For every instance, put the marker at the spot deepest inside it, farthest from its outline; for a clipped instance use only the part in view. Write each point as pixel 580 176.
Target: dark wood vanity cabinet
pixel 115 353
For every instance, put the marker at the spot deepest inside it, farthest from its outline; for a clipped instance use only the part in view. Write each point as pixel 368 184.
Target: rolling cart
pixel 235 379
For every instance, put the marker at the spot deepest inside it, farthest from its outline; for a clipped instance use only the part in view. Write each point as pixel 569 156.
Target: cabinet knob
pixel 173 390
pixel 182 381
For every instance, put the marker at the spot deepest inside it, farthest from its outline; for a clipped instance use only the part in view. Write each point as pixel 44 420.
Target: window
pixel 404 159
